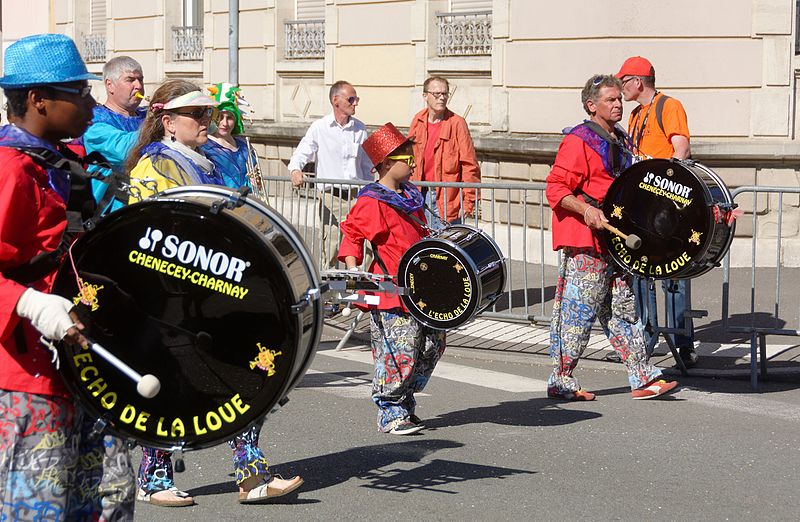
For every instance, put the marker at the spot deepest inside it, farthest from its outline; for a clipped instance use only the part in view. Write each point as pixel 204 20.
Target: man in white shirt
pixel 336 140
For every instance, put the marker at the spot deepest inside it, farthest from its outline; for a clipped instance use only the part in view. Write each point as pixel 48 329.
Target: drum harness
pixel 617 148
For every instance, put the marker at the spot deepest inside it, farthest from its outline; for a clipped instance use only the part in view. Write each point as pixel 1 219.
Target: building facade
pixel 516 69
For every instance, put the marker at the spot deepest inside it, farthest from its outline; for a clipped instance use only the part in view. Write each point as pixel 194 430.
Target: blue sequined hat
pixel 43 59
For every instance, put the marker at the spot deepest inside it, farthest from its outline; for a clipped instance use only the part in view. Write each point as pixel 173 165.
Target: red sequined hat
pixel 382 142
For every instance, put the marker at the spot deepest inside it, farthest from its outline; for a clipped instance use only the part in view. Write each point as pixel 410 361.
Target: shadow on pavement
pixel 531 412
pixel 377 465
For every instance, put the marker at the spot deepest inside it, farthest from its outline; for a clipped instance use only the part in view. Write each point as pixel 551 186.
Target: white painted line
pixel 347 387
pixel 456 372
pixel 742 404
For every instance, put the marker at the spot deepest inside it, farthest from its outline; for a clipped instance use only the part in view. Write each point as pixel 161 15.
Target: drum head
pixel 665 204
pixel 199 300
pixel 441 280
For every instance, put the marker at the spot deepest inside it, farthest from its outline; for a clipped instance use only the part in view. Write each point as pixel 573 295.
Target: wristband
pixel 584 213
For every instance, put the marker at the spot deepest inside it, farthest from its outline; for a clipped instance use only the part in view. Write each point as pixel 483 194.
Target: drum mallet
pixel 147 386
pixel 632 241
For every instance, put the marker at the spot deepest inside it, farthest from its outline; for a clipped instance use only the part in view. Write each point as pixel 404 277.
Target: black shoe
pixel 413 419
pixel 613 356
pixel 688 356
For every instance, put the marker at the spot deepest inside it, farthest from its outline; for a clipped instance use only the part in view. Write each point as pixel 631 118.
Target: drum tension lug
pixel 235 200
pixel 311 295
pixel 98 428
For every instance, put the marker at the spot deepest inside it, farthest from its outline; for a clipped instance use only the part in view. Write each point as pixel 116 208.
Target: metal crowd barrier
pixel 505 211
pixel 513 214
pixel 765 304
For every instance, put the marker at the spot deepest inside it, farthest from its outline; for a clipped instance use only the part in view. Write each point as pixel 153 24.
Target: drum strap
pixel 615 145
pixel 81 213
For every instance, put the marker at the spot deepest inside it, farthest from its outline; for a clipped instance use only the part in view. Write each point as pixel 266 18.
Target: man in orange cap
pixel 658 129
pixel 389 215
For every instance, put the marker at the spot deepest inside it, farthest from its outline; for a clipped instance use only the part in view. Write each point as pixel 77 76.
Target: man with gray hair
pixel 589 285
pixel 336 141
pixel 115 129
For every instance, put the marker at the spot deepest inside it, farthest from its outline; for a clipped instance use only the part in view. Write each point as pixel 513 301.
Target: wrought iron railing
pixel 464 34
pixel 94 48
pixel 187 43
pixel 305 39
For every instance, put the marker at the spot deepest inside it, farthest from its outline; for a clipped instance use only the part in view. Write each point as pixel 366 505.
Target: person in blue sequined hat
pixel 48 100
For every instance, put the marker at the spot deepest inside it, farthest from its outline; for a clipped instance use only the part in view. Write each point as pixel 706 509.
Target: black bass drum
pixel 451 276
pixel 213 294
pixel 681 210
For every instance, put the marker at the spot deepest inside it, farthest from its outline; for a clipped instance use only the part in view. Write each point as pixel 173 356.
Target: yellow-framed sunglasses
pixel 408 158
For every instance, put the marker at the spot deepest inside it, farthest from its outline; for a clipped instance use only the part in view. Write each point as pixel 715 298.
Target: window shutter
pixel 470 5
pixel 97 17
pixel 310 9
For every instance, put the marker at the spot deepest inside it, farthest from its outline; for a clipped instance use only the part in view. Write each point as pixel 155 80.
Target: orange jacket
pixel 455 159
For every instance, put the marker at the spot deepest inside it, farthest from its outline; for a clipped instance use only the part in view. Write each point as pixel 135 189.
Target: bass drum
pixel 681 210
pixel 212 293
pixel 451 276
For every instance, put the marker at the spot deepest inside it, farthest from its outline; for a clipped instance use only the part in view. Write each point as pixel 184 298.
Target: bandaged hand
pixel 47 312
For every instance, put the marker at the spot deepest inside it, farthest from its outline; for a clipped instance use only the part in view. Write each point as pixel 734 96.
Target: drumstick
pixel 632 241
pixel 147 386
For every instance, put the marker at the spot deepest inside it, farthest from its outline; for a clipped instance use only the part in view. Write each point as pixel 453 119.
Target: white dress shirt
pixel 338 150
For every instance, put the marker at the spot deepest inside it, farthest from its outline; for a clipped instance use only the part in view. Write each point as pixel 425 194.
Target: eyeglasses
pixel 438 94
pixel 83 91
pixel 352 99
pixel 408 158
pixel 626 80
pixel 198 114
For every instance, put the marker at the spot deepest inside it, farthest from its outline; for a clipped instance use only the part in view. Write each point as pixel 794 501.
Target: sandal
pixel 268 490
pixel 176 497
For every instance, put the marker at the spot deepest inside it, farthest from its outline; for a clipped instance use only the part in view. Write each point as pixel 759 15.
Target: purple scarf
pixel 195 173
pixel 409 204
pixel 603 149
pixel 13 136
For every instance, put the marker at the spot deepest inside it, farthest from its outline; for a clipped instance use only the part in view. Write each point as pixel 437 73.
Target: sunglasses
pixel 407 158
pixel 197 114
pixel 352 99
pixel 83 91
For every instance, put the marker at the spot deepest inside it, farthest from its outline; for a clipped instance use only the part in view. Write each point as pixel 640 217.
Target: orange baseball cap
pixel 636 66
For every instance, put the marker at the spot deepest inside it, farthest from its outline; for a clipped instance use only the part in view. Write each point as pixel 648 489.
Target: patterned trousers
pixel 590 287
pixel 53 468
pixel 156 473
pixel 405 353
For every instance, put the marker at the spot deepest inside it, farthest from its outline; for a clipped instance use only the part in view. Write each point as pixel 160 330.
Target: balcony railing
pixel 94 48
pixel 187 43
pixel 464 34
pixel 305 39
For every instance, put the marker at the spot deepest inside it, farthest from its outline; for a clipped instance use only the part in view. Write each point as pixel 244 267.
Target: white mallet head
pixel 149 386
pixel 346 311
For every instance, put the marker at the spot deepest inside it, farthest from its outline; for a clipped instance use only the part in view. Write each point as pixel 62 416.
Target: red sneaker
pixel 580 395
pixel 654 389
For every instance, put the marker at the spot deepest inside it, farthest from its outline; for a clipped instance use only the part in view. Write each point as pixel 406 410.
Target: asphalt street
pixel 497 448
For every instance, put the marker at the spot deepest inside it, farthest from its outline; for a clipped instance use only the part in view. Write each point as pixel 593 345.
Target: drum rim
pixel 308 325
pixel 696 270
pixel 478 309
pixel 296 240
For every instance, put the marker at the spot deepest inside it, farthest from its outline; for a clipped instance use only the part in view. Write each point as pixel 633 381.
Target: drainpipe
pixel 233 41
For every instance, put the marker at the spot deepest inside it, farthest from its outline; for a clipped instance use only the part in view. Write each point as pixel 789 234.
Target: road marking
pixel 456 372
pixel 346 387
pixel 742 404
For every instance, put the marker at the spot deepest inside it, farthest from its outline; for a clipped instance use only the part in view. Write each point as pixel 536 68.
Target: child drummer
pixel 389 214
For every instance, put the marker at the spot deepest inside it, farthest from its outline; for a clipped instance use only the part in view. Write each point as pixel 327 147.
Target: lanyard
pixel 637 139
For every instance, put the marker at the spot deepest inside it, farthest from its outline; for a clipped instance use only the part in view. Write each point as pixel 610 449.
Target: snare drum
pixel 682 212
pixel 214 294
pixel 451 276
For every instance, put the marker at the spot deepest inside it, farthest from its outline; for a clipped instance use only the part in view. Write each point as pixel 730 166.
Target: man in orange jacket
pixel 444 152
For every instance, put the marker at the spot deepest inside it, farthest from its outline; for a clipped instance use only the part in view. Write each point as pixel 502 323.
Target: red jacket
pixel 577 169
pixel 389 231
pixel 455 159
pixel 32 220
